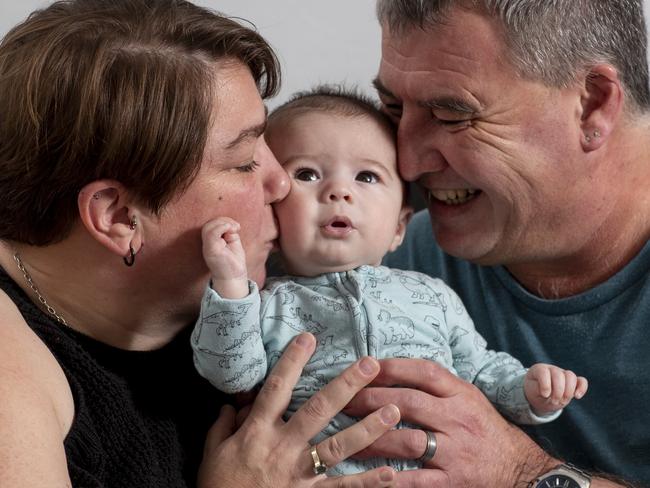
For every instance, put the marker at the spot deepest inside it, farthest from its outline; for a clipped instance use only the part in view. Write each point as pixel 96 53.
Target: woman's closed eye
pixel 248 167
pixel 367 177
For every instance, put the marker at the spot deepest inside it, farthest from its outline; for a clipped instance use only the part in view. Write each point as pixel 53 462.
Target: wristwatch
pixel 563 476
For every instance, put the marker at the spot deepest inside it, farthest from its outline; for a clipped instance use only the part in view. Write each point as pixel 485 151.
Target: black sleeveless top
pixel 140 417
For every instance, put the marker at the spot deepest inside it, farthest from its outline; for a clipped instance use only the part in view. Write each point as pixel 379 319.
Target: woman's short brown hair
pixel 117 89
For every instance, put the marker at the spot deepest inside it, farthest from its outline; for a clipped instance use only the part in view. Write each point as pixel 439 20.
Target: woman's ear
pixel 108 217
pixel 405 215
pixel 602 103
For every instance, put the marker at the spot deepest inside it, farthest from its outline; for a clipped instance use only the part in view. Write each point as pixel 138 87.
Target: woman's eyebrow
pixel 252 132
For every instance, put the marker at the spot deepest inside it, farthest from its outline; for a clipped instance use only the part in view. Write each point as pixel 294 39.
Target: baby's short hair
pixel 335 99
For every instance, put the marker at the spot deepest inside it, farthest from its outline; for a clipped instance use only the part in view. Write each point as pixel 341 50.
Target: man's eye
pixel 306 174
pixel 452 118
pixel 393 110
pixel 367 177
pixel 451 123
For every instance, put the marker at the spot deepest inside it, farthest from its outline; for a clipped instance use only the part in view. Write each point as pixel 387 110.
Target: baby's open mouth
pixel 338 226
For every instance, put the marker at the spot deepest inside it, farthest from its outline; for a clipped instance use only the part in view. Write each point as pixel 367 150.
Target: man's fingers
pixel 381 477
pixel 242 415
pixel 422 478
pixel 343 444
pixel 415 406
pixel 275 394
pixel 397 444
pixel 316 412
pixel 420 374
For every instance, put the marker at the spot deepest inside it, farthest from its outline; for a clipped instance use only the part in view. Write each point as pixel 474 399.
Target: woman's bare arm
pixel 36 407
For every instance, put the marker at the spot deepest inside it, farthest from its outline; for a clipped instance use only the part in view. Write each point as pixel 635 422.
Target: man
pixel 526 124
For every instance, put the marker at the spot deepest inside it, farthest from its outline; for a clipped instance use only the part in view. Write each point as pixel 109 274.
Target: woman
pixel 127 125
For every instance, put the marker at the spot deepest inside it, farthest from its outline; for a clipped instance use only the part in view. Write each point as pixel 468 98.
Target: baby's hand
pixel 225 257
pixel 549 388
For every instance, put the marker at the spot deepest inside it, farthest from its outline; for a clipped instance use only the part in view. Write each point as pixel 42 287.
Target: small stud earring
pixel 587 138
pixel 133 224
pixel 596 134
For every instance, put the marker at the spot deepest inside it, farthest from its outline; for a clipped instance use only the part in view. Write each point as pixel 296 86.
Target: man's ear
pixel 107 216
pixel 405 215
pixel 602 103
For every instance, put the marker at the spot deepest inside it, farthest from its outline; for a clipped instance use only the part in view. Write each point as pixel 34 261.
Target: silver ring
pixel 319 466
pixel 430 450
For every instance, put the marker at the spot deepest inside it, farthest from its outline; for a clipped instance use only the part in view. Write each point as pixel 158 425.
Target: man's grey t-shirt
pixel 602 334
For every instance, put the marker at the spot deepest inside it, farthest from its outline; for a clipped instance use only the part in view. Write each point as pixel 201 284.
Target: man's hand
pixel 549 388
pixel 476 446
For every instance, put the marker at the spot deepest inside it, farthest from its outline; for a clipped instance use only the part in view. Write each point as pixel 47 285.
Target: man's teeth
pixel 453 197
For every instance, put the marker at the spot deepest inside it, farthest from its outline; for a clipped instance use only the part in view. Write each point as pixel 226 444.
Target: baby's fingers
pixel 216 228
pixel 581 387
pixel 558 381
pixel 543 378
pixel 570 382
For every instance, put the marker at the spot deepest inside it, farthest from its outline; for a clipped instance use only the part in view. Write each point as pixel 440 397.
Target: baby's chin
pixel 300 269
pixel 258 276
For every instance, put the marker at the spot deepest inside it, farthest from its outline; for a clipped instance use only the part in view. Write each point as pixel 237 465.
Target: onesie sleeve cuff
pixel 214 294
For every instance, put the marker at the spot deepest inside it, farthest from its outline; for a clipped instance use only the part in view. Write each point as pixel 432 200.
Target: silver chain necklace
pixel 34 288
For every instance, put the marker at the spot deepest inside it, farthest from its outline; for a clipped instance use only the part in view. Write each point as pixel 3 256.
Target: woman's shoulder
pixel 29 373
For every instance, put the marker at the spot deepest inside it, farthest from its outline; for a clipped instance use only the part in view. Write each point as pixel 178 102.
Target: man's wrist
pixel 537 462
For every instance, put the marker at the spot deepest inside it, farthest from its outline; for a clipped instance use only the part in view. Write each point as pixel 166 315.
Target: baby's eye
pixel 306 174
pixel 367 177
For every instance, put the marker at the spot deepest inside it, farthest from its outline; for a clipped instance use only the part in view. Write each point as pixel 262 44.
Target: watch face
pixel 557 481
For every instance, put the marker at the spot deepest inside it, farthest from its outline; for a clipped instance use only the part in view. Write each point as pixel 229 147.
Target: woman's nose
pixel 276 179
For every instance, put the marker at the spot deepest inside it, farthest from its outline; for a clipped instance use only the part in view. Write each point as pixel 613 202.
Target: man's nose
pixel 418 150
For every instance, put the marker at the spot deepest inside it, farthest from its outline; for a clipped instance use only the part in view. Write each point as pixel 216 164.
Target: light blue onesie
pixel 376 311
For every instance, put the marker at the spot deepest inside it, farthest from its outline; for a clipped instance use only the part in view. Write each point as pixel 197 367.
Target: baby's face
pixel 344 208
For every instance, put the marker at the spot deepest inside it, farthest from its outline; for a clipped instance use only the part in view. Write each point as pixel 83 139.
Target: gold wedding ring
pixel 319 466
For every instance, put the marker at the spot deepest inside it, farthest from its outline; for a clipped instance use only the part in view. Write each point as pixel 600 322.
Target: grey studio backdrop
pixel 317 41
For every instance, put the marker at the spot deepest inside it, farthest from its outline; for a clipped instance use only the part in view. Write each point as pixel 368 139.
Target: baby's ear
pixel 405 215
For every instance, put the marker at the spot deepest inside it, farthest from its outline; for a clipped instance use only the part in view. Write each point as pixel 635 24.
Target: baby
pixel 346 209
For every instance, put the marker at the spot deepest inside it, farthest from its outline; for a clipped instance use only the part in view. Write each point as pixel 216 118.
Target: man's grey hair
pixel 553 41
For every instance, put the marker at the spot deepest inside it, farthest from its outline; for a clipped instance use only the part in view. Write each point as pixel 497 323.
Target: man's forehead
pixel 459 52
